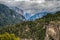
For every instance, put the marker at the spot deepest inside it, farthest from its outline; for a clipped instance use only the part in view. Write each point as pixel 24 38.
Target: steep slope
pixel 53 30
pixel 36 30
pixel 30 30
pixel 8 16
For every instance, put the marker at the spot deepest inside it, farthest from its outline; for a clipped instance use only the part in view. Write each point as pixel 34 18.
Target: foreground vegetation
pixel 7 36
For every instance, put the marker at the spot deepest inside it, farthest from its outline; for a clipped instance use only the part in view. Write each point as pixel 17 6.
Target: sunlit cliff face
pixel 52 31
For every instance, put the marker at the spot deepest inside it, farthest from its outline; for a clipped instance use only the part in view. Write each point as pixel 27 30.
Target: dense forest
pixel 31 29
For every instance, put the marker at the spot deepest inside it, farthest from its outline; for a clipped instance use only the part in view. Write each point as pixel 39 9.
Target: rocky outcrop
pixel 53 31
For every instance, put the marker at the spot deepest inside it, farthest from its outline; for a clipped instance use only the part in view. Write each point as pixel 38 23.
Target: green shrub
pixel 7 36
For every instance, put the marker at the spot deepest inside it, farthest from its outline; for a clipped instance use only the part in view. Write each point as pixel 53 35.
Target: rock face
pixel 53 31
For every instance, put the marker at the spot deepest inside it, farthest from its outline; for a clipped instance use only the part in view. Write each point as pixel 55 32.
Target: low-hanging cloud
pixel 34 6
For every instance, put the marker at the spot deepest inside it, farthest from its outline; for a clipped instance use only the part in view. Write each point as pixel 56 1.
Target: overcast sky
pixel 34 6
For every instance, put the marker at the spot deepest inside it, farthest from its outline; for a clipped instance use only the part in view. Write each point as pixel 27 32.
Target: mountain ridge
pixel 9 16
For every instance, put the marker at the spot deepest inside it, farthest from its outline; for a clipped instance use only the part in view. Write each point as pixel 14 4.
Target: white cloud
pixel 24 0
pixel 34 6
pixel 17 0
